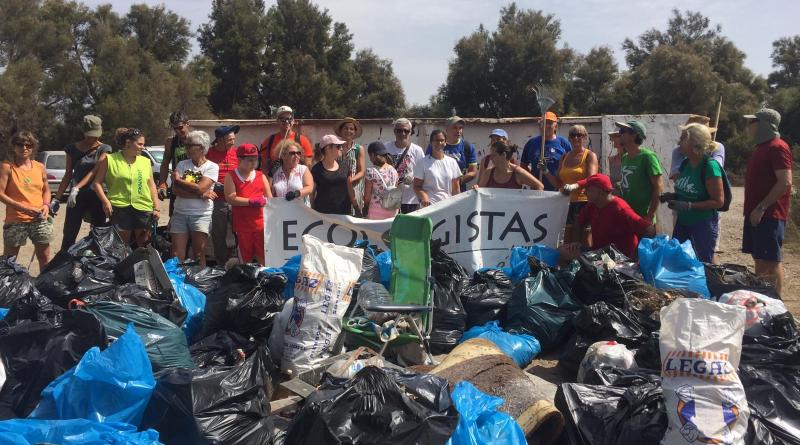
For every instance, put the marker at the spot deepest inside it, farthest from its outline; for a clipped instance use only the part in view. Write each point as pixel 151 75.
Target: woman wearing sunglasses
pixel 130 202
pixel 25 192
pixel 577 164
pixel 293 179
pixel 504 174
pixel 333 190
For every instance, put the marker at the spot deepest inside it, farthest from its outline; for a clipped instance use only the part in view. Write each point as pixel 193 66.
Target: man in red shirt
pixel 611 218
pixel 222 153
pixel 767 186
pixel 269 148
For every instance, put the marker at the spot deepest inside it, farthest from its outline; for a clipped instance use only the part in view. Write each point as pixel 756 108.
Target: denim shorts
pixel 765 240
pixel 180 223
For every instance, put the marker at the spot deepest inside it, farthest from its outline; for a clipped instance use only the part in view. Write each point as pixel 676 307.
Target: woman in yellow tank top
pixel 131 200
pixel 577 164
pixel 26 194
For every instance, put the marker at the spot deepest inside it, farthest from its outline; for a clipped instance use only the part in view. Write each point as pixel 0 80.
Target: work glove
pixel 257 201
pixel 679 205
pixel 73 197
pixel 664 197
pixel 54 206
pixel 569 188
pixel 292 194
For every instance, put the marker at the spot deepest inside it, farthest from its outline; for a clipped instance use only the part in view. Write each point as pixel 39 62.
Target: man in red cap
pixel 247 190
pixel 554 148
pixel 611 218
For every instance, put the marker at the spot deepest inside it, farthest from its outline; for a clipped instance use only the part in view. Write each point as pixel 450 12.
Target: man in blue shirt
pixel 461 150
pixel 554 148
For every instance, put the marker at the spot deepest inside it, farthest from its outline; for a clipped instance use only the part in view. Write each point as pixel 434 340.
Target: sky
pixel 418 36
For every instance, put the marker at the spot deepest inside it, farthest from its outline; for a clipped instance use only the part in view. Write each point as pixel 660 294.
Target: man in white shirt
pixel 405 154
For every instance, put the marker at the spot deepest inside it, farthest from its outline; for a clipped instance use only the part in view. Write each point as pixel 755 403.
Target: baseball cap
pixel 284 109
pixel 636 126
pixel 597 180
pixel 550 116
pixel 376 148
pixel 223 130
pixel 329 139
pixel 499 132
pixel 92 126
pixel 246 151
pixel 452 120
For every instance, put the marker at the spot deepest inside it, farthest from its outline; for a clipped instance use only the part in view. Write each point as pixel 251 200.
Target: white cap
pixel 284 109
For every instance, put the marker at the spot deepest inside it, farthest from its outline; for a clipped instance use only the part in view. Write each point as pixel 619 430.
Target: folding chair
pixel 412 301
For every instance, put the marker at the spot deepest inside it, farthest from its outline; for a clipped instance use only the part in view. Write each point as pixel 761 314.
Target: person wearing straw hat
pixel 284 120
pixel 677 154
pixel 767 190
pixel 698 192
pixel 555 147
pixel 82 157
pixel 640 181
pixel 354 156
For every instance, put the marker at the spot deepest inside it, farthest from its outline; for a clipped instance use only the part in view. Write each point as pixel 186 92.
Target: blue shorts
pixel 180 223
pixel 703 236
pixel 764 241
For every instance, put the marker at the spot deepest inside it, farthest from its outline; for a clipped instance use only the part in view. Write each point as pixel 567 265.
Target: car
pixel 156 155
pixel 55 164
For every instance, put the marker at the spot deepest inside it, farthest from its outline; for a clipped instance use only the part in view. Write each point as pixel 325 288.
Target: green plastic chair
pixel 410 243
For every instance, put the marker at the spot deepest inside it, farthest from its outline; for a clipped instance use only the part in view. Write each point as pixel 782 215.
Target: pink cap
pixel 329 139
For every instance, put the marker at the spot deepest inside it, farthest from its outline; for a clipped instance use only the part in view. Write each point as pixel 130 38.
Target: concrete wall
pixel 662 136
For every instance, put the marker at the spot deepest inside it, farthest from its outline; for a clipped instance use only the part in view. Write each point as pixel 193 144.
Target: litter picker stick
pixel 545 101
pixel 716 121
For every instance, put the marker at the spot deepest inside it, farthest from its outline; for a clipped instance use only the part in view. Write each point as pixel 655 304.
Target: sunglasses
pixel 624 130
pixel 402 130
pixel 293 153
pixel 577 135
pixel 178 127
pixel 25 145
pixel 285 119
pixel 133 132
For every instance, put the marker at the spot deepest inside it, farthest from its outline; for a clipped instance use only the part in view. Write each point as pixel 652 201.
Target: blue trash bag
pixel 522 348
pixel 109 386
pixel 479 422
pixel 3 312
pixel 518 268
pixel 291 269
pixel 73 432
pixel 384 260
pixel 190 297
pixel 667 264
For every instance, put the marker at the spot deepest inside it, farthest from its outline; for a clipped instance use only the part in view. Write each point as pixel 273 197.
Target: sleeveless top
pixel 24 186
pixel 83 162
pixel 571 175
pixel 178 151
pixel 282 184
pixel 245 218
pixel 127 183
pixel 510 184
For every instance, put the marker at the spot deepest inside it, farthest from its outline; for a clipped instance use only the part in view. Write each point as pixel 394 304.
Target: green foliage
pixel 293 54
pixel 591 90
pixel 786 58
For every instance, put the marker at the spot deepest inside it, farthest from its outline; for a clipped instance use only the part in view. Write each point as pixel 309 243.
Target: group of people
pixel 217 188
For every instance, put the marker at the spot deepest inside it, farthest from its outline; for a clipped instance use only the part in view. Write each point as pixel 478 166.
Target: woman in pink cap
pixel 247 190
pixel 333 190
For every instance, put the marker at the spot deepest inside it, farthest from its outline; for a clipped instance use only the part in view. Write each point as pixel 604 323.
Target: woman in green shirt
pixel 130 200
pixel 696 201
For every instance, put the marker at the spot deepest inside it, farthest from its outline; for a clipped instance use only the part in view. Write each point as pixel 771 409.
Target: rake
pixel 544 98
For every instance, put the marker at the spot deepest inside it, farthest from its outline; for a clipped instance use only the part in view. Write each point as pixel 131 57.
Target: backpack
pixel 392 196
pixel 271 166
pixel 726 184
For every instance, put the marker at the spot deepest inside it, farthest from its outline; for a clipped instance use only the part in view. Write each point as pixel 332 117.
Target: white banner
pixel 477 228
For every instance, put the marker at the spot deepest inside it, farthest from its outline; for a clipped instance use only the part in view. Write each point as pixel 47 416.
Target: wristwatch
pixel 761 207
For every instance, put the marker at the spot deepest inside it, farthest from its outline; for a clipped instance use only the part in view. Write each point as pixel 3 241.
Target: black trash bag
pixel 595 281
pixel 648 355
pixel 214 405
pixel 205 279
pixel 572 355
pixel 606 415
pixel 611 376
pixel 15 282
pixel 77 278
pixel 247 302
pixel 724 278
pixel 162 242
pixel 781 345
pixel 163 303
pixel 542 305
pixel 486 297
pixel 224 348
pixel 376 406
pixel 38 342
pixel 773 395
pixel 164 341
pixel 449 316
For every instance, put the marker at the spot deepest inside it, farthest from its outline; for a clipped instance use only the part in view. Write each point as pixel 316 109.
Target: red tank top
pixel 248 219
pixel 510 184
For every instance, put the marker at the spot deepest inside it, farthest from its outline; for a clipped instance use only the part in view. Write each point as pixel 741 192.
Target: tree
pixel 786 60
pixel 590 91
pixel 162 33
pixel 491 74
